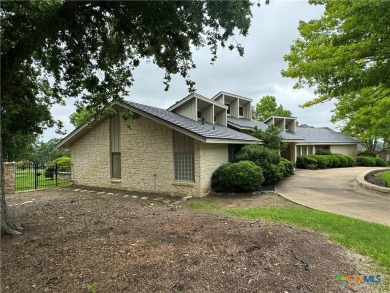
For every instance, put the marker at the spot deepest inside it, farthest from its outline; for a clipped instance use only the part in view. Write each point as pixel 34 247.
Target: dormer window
pixel 228 109
pixel 199 114
pixel 241 111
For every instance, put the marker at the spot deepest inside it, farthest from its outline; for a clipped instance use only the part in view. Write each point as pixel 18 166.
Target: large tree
pixel 88 50
pixel 345 55
pixel 268 107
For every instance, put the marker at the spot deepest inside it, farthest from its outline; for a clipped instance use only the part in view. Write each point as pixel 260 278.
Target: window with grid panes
pixel 183 149
pixel 115 147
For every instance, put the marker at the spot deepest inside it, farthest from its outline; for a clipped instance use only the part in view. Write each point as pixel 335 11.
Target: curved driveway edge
pixel 364 183
pixel 336 191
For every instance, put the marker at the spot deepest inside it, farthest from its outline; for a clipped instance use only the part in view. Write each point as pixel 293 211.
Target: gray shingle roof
pixel 206 130
pixel 323 135
pixel 250 124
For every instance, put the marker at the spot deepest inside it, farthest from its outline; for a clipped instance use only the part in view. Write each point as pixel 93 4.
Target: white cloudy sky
pixel 255 75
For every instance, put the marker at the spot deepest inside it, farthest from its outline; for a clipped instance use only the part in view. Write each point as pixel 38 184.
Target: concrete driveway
pixel 336 191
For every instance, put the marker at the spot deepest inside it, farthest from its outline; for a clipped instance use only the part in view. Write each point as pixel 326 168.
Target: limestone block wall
pixel 10 177
pixel 211 157
pixel 147 160
pixel 348 149
pixel 91 157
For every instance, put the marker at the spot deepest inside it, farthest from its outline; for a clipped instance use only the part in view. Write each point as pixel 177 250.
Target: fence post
pixel 10 177
pixel 56 172
pixel 36 169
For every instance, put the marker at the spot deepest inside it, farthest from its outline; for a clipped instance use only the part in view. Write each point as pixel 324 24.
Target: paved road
pixel 336 191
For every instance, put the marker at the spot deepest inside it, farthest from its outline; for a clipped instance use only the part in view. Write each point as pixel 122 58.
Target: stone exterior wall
pixel 211 157
pixel 348 149
pixel 10 177
pixel 146 160
pixel 91 157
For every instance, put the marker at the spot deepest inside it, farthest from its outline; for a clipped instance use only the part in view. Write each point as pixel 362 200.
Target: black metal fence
pixel 36 176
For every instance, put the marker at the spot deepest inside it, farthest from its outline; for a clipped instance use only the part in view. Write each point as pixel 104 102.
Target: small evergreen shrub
pixel 351 161
pixel 307 162
pixel 265 158
pixel 365 161
pixel 49 172
pixel 286 166
pixel 323 161
pixel 343 161
pixel 334 162
pixel 63 164
pixel 323 152
pixel 244 176
pixel 367 154
pixel 380 162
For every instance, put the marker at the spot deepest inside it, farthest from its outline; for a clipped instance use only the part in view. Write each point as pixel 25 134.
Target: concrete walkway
pixel 337 191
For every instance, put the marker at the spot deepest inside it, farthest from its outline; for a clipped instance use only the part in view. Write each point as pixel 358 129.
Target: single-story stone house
pixel 159 151
pixel 176 151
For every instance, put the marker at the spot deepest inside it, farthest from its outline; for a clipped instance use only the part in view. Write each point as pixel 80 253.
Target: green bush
pixel 24 164
pixel 265 158
pixel 380 162
pixel 306 162
pixel 63 163
pixel 323 152
pixel 343 161
pixel 334 162
pixel 323 161
pixel 49 171
pixel 351 161
pixel 367 154
pixel 244 176
pixel 286 166
pixel 365 161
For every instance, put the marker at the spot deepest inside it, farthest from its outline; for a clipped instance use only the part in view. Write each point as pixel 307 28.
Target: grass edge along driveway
pixel 366 238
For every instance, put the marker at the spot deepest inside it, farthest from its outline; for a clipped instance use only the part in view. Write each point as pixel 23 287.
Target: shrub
pixel 334 162
pixel 244 176
pixel 323 152
pixel 286 166
pixel 380 162
pixel 49 172
pixel 367 154
pixel 265 158
pixel 63 164
pixel 24 164
pixel 365 161
pixel 351 161
pixel 323 161
pixel 306 162
pixel 342 160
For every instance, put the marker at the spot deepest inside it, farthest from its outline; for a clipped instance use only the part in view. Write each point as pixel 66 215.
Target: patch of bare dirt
pixel 119 243
pixel 374 178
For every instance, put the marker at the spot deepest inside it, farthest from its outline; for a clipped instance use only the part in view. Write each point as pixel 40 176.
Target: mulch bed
pixel 121 244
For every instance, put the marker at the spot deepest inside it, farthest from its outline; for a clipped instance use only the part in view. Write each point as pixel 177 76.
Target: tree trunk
pixel 7 225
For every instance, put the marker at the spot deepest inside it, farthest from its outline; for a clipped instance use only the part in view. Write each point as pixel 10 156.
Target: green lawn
pixel 385 176
pixel 25 180
pixel 367 238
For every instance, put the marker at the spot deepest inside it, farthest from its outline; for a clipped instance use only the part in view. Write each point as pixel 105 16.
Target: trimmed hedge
pixel 380 162
pixel 325 161
pixel 365 161
pixel 323 152
pixel 367 154
pixel 343 161
pixel 244 176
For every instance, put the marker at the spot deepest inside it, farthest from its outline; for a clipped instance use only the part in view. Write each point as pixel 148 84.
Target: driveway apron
pixel 336 191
